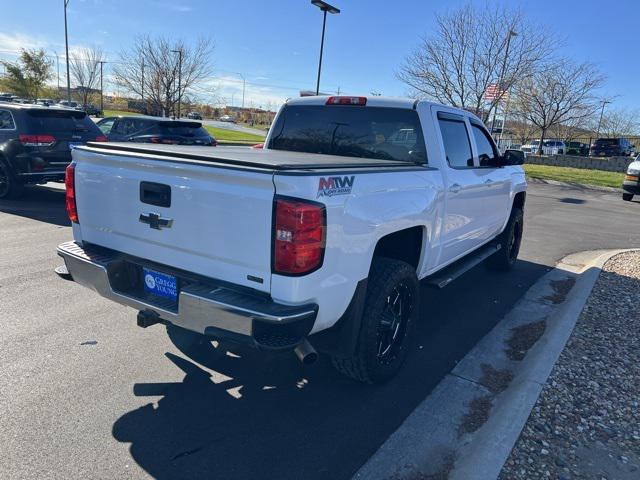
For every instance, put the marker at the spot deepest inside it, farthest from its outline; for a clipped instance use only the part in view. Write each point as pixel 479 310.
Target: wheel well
pixel 518 200
pixel 405 245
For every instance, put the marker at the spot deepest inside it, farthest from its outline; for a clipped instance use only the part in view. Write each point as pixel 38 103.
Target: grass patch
pixel 233 136
pixel 117 113
pixel 575 175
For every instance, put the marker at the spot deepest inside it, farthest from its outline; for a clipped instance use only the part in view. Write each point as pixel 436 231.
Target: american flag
pixel 494 91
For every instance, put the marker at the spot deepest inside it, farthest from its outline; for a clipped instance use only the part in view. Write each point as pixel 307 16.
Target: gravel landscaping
pixel 586 423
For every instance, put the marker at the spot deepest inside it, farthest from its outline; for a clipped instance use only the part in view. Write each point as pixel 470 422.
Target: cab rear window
pixel 350 131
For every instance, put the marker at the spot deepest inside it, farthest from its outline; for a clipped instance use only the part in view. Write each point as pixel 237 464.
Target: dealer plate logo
pixel 150 281
pixel 330 186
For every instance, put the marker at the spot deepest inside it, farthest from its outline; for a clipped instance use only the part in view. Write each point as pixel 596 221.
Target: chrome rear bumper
pixel 203 306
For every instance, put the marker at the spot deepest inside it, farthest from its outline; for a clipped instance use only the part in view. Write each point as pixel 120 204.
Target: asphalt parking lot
pixel 84 393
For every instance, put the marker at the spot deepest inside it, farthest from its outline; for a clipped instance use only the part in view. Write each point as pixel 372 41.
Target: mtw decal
pixel 330 186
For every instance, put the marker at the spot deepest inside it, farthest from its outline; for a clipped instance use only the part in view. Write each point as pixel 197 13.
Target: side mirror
pixel 513 157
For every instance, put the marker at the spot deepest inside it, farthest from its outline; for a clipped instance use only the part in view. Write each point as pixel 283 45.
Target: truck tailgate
pixel 217 223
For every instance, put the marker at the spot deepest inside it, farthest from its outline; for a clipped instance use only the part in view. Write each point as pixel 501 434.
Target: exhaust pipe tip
pixel 306 353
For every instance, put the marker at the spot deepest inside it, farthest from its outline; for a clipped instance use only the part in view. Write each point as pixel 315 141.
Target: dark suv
pixel 143 129
pixel 611 147
pixel 36 143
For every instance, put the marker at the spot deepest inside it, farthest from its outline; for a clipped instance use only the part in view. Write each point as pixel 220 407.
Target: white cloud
pixel 228 89
pixel 14 42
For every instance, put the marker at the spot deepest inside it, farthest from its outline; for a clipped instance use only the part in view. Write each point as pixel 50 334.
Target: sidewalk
pixel 586 422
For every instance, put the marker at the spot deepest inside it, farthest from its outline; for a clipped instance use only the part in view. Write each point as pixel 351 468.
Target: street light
pixel 102 62
pixel 243 85
pixel 325 7
pixel 499 89
pixel 604 102
pixel 66 47
pixel 179 52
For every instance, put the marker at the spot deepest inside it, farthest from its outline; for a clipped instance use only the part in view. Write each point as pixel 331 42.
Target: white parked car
pixel 631 182
pixel 319 239
pixel 554 147
pixel 531 147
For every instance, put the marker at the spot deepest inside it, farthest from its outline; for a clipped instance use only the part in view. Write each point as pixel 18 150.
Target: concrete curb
pixel 430 442
pixel 581 186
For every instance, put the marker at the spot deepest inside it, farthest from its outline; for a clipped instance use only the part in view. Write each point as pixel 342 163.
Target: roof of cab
pixel 372 101
pixel 375 101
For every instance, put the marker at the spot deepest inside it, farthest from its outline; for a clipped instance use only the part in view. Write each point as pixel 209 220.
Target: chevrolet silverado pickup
pixel 314 242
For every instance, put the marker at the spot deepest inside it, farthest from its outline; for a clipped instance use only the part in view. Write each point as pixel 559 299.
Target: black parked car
pixel 577 148
pixel 91 109
pixel 36 143
pixel 611 147
pixel 155 130
pixel 194 116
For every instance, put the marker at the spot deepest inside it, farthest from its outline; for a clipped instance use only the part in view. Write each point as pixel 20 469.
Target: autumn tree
pixel 27 76
pixel 471 50
pixel 561 93
pixel 84 66
pixel 151 67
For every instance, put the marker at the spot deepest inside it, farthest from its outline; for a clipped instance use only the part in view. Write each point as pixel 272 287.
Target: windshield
pixel 368 132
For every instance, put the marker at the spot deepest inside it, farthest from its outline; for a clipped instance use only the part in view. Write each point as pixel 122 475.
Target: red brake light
pixel 101 138
pixel 346 101
pixel 37 140
pixel 299 236
pixel 258 145
pixel 70 196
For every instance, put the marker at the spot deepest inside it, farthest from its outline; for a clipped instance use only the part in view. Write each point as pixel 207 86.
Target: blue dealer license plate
pixel 160 284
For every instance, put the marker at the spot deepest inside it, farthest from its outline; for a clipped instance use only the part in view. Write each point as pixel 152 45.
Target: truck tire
pixel 10 187
pixel 505 258
pixel 627 197
pixel 391 305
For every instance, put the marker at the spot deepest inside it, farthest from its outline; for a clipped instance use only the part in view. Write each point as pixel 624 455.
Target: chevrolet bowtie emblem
pixel 155 221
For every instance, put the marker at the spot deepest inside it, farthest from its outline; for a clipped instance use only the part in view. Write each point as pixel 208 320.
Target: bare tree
pixel 619 122
pixel 150 69
pixel 84 66
pixel 468 54
pixel 561 93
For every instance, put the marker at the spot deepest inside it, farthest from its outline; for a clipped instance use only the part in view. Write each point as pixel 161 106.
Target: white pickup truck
pixel 317 239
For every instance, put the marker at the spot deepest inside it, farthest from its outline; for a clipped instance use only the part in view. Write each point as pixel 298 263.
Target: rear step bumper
pixel 203 306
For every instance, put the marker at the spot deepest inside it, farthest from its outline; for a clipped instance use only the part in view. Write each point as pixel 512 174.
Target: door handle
pixel 454 188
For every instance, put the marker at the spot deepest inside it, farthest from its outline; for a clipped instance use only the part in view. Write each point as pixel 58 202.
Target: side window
pixel 106 125
pixel 124 126
pixel 486 149
pixel 6 120
pixel 456 140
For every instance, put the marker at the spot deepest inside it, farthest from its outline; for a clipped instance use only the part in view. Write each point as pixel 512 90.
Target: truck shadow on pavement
pixel 40 203
pixel 240 413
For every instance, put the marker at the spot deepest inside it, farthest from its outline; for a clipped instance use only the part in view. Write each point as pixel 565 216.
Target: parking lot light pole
pixel 179 52
pixel 66 47
pixel 604 102
pixel 101 91
pixel 500 79
pixel 325 7
pixel 243 87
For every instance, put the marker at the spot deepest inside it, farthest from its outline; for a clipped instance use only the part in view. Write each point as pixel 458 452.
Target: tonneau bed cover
pixel 257 158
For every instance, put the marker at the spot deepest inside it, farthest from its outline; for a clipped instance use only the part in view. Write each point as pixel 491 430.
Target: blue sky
pixel 275 44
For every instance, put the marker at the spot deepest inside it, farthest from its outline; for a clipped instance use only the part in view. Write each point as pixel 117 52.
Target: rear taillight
pixel 346 101
pixel 70 196
pixel 299 236
pixel 37 140
pixel 258 145
pixel 101 138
